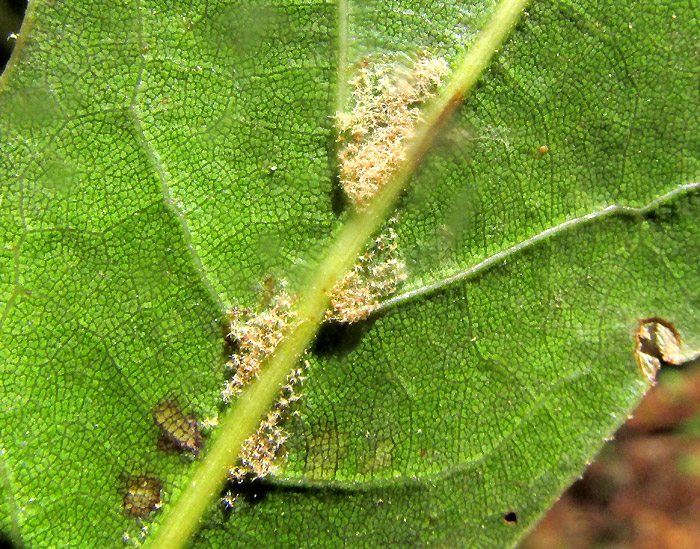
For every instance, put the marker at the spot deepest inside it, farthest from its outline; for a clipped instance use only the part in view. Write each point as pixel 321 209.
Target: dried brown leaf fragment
pixel 657 342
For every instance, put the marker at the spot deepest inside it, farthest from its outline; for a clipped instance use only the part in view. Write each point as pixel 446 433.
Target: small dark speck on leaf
pixel 510 517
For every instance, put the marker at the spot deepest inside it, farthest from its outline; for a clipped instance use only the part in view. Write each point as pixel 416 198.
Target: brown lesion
pixel 142 496
pixel 178 431
pixel 658 343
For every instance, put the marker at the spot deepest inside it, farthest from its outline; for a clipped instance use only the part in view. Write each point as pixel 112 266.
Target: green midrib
pixel 243 417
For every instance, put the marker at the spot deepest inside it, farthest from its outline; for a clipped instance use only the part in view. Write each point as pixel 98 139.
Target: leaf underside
pixel 159 163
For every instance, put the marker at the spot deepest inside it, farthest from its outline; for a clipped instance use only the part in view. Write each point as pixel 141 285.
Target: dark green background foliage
pixel 160 159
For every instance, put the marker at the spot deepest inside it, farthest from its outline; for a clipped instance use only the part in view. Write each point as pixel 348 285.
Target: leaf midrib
pixel 242 418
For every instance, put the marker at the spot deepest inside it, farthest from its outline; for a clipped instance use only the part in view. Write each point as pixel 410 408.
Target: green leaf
pixel 161 160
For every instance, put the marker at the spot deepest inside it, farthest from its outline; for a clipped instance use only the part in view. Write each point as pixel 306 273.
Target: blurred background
pixel 643 491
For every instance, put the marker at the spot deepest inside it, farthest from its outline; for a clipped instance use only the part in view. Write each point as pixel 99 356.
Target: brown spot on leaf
pixel 177 429
pixel 165 444
pixel 142 496
pixel 657 342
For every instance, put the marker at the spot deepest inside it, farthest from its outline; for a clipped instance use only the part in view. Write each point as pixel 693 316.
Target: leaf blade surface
pixel 164 129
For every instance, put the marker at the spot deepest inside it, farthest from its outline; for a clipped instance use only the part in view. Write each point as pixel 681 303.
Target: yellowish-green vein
pixel 243 417
pixel 497 257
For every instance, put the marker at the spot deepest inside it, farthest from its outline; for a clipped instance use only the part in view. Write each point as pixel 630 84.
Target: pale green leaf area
pixel 161 159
